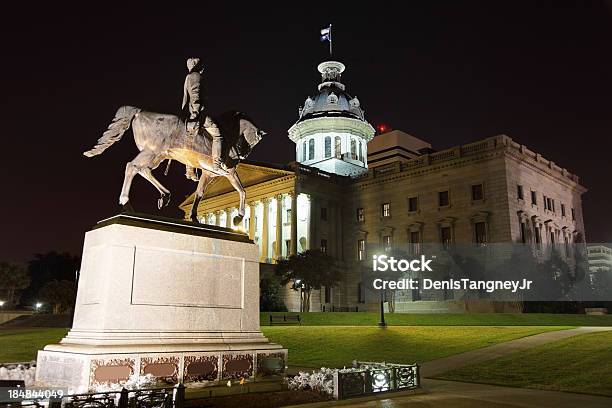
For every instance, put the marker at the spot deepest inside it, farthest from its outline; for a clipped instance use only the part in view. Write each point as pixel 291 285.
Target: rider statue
pixel 196 114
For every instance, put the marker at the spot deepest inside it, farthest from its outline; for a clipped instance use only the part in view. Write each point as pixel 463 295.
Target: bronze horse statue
pixel 162 137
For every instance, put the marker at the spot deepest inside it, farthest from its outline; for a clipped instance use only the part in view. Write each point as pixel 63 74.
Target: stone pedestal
pixel 170 298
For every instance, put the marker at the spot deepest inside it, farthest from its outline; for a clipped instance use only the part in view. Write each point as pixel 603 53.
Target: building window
pixel 361 249
pixel 413 204
pixel 573 215
pixel 324 213
pixel 353 149
pixel 360 215
pixel 446 237
pixel 534 198
pixel 338 147
pixel 327 146
pixel 523 229
pixel 562 210
pixel 288 215
pixel 443 199
pixel 311 146
pixel 477 192
pixel 552 202
pixel 416 292
pixel 519 192
pixel 327 294
pixel 538 236
pixel 304 151
pixel 386 209
pixel 360 151
pixel 480 233
pixel 324 246
pixel 360 293
pixel 415 242
pixel 387 243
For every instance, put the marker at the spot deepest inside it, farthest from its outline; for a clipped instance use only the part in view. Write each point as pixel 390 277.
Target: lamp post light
pixel 38 305
pixel 297 282
pixel 2 302
pixel 382 322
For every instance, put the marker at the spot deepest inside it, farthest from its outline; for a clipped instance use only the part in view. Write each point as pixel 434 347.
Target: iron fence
pixel 371 378
pixel 170 397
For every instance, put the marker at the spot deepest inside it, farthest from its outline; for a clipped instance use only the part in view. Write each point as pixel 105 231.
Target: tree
pixel 308 270
pixel 13 277
pixel 59 294
pixel 270 299
pixel 47 267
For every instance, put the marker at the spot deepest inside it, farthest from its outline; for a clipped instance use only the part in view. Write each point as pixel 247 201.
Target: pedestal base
pixel 173 299
pixel 82 368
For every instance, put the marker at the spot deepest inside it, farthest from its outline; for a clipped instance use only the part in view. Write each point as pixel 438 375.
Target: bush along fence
pixel 362 379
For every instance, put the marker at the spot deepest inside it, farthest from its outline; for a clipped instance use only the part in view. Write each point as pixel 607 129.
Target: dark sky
pixel 448 72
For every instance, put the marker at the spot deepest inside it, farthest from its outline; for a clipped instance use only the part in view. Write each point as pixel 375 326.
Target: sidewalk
pixel 441 365
pixel 452 394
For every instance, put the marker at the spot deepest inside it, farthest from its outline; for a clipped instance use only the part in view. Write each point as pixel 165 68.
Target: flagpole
pixel 330 40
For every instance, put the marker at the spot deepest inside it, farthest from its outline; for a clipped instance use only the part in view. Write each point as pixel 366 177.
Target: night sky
pixel 448 72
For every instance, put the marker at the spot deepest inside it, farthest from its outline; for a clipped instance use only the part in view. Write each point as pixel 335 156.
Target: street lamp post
pixel 382 322
pixel 298 282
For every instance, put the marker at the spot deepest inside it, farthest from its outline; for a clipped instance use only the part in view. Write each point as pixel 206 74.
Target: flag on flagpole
pixel 326 34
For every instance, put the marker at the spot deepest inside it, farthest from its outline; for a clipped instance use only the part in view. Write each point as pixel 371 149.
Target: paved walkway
pixel 441 365
pixel 453 394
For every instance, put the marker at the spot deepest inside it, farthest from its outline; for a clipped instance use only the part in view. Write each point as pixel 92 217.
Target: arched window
pixel 337 147
pixel 304 151
pixel 327 146
pixel 360 151
pixel 353 149
pixel 311 143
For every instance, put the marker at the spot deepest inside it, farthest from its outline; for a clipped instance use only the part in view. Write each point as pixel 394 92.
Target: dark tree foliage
pixel 60 295
pixel 270 299
pixel 308 270
pixel 47 267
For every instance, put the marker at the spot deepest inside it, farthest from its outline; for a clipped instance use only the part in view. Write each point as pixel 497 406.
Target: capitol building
pixel 350 189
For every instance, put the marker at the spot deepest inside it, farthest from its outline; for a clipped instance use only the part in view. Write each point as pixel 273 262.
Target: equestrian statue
pixel 213 145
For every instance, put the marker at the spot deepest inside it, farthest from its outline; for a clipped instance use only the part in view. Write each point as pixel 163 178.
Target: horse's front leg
pixel 232 176
pixel 203 183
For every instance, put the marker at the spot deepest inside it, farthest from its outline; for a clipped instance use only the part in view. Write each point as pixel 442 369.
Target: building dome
pixel 332 100
pixel 331 132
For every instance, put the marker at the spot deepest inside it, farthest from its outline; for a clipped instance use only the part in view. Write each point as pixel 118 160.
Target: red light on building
pixel 382 128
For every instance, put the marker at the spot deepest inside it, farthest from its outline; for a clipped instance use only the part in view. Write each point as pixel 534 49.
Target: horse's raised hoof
pixel 127 207
pixel 163 201
pixel 238 220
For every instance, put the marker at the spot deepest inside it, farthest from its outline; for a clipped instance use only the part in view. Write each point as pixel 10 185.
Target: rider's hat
pixel 194 64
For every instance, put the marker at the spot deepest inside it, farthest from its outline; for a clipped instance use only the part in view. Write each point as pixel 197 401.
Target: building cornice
pixel 324 125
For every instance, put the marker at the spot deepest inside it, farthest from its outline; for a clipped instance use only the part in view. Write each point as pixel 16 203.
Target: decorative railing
pixel 372 378
pixel 170 397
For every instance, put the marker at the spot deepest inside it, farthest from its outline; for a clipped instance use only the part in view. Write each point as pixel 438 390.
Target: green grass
pixel 22 344
pixel 338 346
pixel 448 319
pixel 325 346
pixel 576 364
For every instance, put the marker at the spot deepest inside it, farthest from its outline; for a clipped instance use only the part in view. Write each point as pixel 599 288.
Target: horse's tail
pixel 121 123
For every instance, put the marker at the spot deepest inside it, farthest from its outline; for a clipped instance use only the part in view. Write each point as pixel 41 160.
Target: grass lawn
pixel 22 344
pixel 577 364
pixel 325 346
pixel 448 319
pixel 338 346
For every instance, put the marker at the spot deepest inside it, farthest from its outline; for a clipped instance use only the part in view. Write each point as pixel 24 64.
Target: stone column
pixel 264 230
pixel 217 218
pixel 312 223
pixel 252 206
pixel 293 223
pixel 279 227
pixel 228 218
